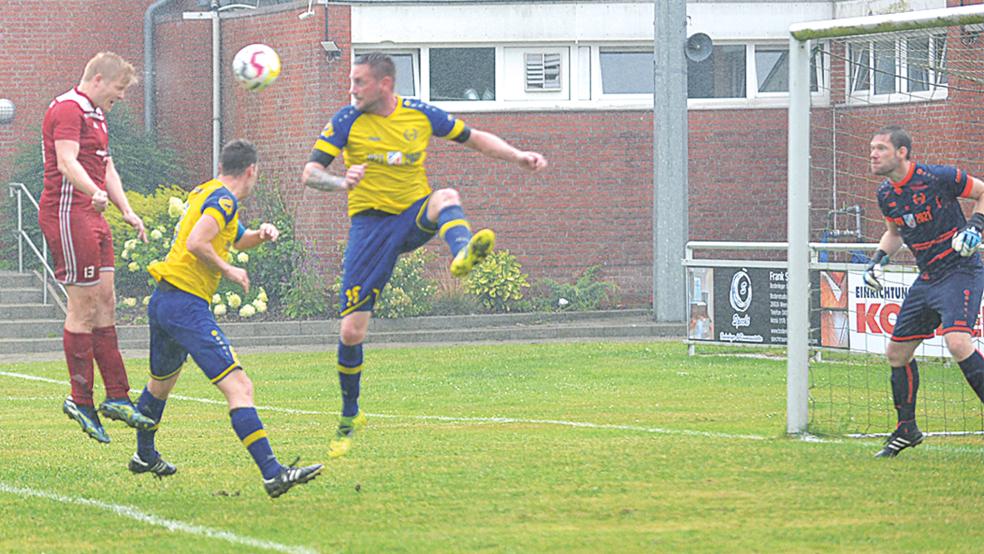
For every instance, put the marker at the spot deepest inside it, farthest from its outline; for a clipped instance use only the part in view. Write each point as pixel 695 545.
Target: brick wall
pixel 593 206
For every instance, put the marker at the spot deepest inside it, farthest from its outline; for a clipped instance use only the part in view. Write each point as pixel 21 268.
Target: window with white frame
pixel 462 74
pixel 625 71
pixel 407 63
pixel 771 65
pixel 897 69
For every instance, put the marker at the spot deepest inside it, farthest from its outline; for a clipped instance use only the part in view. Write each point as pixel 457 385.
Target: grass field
pixel 627 447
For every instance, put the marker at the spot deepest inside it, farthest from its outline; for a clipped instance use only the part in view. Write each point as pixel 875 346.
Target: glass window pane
pixel 722 75
pixel 626 72
pixel 818 68
pixel 884 67
pixel 405 77
pixel 462 74
pixel 860 68
pixel 772 69
pixel 917 64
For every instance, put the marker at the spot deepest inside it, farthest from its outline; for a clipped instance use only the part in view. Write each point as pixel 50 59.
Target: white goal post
pixel 799 168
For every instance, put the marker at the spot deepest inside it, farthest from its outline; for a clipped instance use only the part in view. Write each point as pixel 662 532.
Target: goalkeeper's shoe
pixel 87 419
pixel 904 436
pixel 121 409
pixel 289 476
pixel 474 253
pixel 159 468
pixel 347 427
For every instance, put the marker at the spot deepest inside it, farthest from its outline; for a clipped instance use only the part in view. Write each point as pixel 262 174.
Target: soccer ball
pixel 256 66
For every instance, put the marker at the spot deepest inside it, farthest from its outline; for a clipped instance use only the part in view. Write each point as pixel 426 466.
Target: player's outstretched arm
pixel 494 147
pixel 255 237
pixel 316 177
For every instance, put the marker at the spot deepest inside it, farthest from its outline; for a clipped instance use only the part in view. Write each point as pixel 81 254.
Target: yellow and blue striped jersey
pixel 183 269
pixel 394 149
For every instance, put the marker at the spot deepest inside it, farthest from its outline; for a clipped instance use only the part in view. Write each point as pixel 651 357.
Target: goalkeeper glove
pixel 876 270
pixel 968 239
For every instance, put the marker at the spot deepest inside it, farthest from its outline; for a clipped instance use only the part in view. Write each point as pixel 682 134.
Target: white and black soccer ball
pixel 256 66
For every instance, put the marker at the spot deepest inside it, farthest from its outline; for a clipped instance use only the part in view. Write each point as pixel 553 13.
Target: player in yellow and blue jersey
pixel 181 321
pixel 384 139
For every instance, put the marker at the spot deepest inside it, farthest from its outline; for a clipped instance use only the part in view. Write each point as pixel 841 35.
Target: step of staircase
pixel 280 335
pixel 13 279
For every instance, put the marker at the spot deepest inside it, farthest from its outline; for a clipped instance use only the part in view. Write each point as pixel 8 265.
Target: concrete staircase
pixel 27 326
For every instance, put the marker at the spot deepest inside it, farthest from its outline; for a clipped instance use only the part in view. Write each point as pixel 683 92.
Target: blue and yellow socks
pixel 454 228
pixel 349 376
pixel 250 431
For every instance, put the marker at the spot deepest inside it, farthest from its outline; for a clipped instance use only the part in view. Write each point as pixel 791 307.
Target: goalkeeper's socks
pixel 349 376
pixel 454 228
pixel 905 385
pixel 973 370
pixel 152 407
pixel 250 431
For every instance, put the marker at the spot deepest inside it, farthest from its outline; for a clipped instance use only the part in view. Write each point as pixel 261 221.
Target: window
pixel 772 68
pixel 406 62
pixel 626 72
pixel 462 74
pixel 897 69
pixel 721 75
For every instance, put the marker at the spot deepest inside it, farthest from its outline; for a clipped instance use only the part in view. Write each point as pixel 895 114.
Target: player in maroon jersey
pixel 79 182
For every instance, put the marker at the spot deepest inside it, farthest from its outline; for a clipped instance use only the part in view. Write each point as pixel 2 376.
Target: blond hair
pixel 111 66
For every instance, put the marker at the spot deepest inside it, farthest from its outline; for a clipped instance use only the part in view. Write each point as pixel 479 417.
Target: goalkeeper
pixel 921 208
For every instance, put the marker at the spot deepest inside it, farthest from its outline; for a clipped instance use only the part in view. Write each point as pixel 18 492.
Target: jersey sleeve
pixel 955 181
pixel 335 135
pixel 221 206
pixel 66 121
pixel 442 123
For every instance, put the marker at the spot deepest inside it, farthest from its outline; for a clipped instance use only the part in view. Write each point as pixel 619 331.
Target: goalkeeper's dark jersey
pixel 924 208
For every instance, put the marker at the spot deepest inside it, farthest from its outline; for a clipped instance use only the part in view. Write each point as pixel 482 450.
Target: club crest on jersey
pixel 226 204
pixel 410 134
pixel 910 220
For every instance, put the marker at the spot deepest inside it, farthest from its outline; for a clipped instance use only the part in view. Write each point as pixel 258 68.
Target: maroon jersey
pixel 72 116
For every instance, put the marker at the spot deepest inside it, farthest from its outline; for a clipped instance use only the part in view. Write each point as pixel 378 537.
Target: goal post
pixel 911 79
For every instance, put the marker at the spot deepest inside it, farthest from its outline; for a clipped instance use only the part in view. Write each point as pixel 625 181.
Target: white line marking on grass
pixel 33 378
pixel 578 424
pixel 150 519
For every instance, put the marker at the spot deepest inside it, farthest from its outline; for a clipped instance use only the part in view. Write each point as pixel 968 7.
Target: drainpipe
pixel 149 68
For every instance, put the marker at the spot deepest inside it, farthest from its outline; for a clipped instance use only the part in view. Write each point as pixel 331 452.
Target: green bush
pixel 587 292
pixel 273 264
pixel 498 283
pixel 307 297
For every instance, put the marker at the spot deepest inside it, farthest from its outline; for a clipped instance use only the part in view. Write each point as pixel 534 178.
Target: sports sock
pixel 152 407
pixel 250 431
pixel 106 350
pixel 454 228
pixel 973 370
pixel 349 376
pixel 905 385
pixel 78 356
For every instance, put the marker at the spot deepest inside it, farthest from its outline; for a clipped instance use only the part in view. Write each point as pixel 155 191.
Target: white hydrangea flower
pixel 125 254
pixel 130 244
pixel 262 296
pixel 260 306
pixel 133 267
pixel 234 300
pixel 216 298
pixel 219 309
pixel 242 257
pixel 146 300
pixel 175 207
pixel 247 311
pixel 130 302
pixel 156 235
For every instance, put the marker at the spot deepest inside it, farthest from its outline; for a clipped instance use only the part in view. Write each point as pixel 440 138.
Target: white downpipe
pixel 216 92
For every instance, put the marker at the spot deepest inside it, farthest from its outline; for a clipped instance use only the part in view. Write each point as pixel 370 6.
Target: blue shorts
pixel 181 324
pixel 953 300
pixel 375 241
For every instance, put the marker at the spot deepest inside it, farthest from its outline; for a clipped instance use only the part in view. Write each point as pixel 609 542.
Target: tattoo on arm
pixel 321 180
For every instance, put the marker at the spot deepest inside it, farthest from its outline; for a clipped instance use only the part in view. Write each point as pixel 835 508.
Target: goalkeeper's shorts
pixel 376 239
pixel 950 303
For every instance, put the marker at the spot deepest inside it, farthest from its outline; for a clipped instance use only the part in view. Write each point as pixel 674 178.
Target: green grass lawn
pixel 475 448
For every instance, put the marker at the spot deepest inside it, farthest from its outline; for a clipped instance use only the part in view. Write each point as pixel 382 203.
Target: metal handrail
pixel 20 191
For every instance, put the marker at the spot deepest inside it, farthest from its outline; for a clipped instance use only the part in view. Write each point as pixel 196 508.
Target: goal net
pixel 923 71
